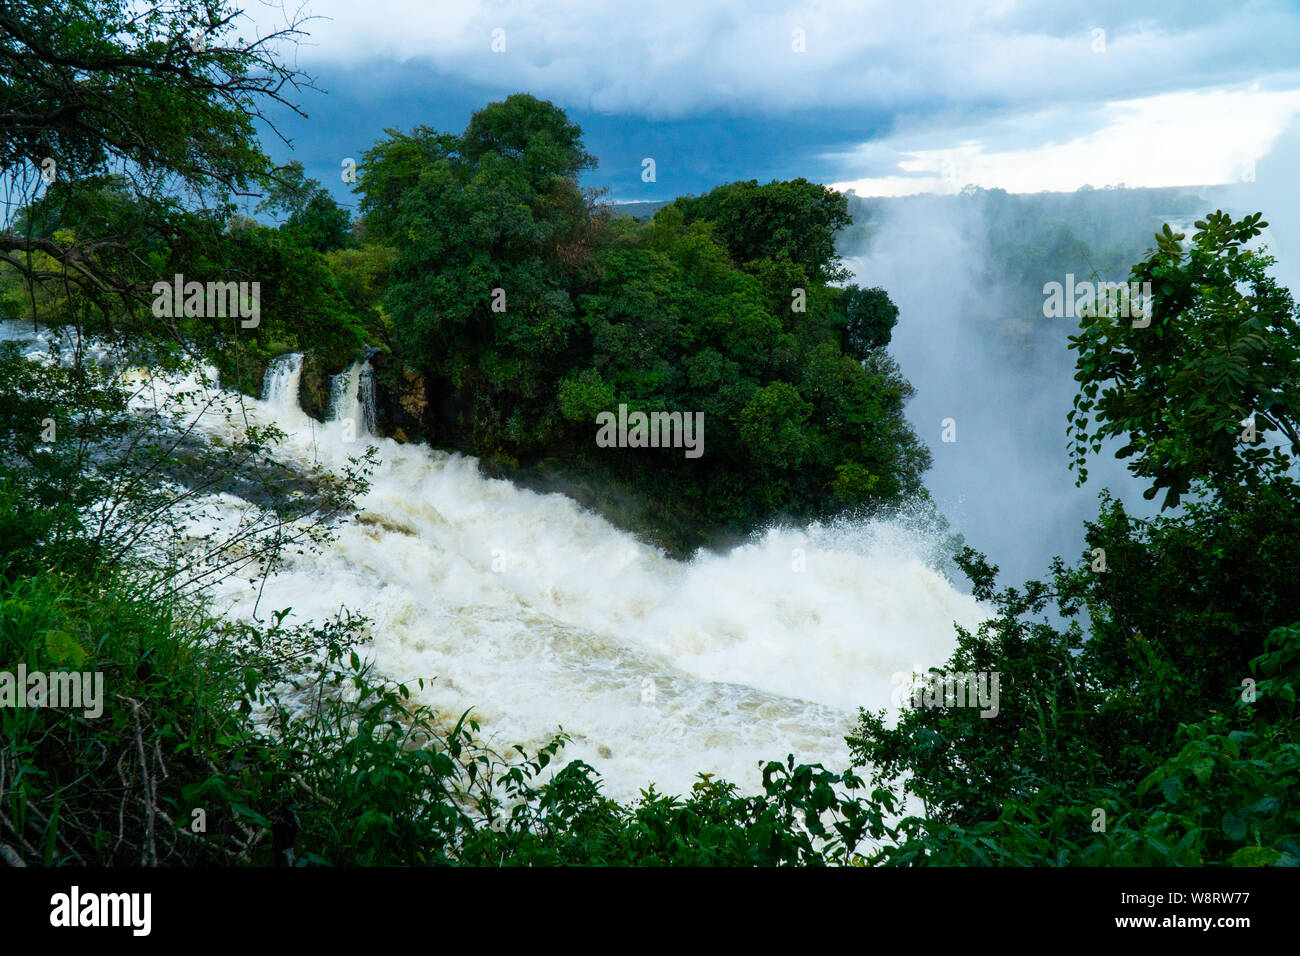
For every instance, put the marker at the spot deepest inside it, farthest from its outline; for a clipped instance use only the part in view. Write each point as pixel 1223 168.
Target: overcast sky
pixel 887 98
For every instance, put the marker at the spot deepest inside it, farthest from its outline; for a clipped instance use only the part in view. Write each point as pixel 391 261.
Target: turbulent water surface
pixel 540 615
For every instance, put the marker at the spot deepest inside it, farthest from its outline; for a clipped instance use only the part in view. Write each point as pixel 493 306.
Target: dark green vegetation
pixel 527 310
pixel 1175 710
pixel 1188 394
pixel 144 123
pixel 1168 701
pixel 341 768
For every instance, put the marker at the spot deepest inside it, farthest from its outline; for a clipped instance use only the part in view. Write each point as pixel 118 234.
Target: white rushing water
pixel 352 398
pixel 540 615
pixel 280 383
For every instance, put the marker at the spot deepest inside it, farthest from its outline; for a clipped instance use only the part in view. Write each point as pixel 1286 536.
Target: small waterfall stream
pixel 352 397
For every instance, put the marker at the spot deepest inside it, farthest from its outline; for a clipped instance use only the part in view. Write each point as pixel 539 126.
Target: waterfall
pixel 539 614
pixel 280 383
pixel 352 396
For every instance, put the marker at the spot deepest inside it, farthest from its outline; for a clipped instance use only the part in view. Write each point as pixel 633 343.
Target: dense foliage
pixel 164 100
pixel 1151 720
pixel 1174 713
pixel 1198 391
pixel 529 311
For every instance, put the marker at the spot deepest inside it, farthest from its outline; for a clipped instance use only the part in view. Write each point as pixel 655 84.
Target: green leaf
pixel 1255 856
pixel 1172 788
pixel 1234 828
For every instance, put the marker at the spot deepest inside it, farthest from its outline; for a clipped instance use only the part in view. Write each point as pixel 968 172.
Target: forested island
pixel 485 307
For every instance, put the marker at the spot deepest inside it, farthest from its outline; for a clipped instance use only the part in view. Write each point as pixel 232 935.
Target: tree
pixel 480 291
pixel 314 217
pixel 528 311
pixel 870 319
pixel 530 132
pixel 166 95
pixel 1197 392
pixel 1175 717
pixel 797 220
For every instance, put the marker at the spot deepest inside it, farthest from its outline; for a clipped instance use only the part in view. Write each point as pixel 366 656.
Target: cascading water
pixel 352 397
pixel 541 616
pixel 280 383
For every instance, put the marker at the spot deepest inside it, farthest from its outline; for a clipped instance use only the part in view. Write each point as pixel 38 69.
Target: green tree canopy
pixel 528 310
pixel 796 220
pixel 313 216
pixel 870 317
pixel 168 96
pixel 1216 362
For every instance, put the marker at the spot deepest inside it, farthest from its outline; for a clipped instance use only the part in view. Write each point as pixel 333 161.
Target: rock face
pixel 314 388
pixel 401 404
